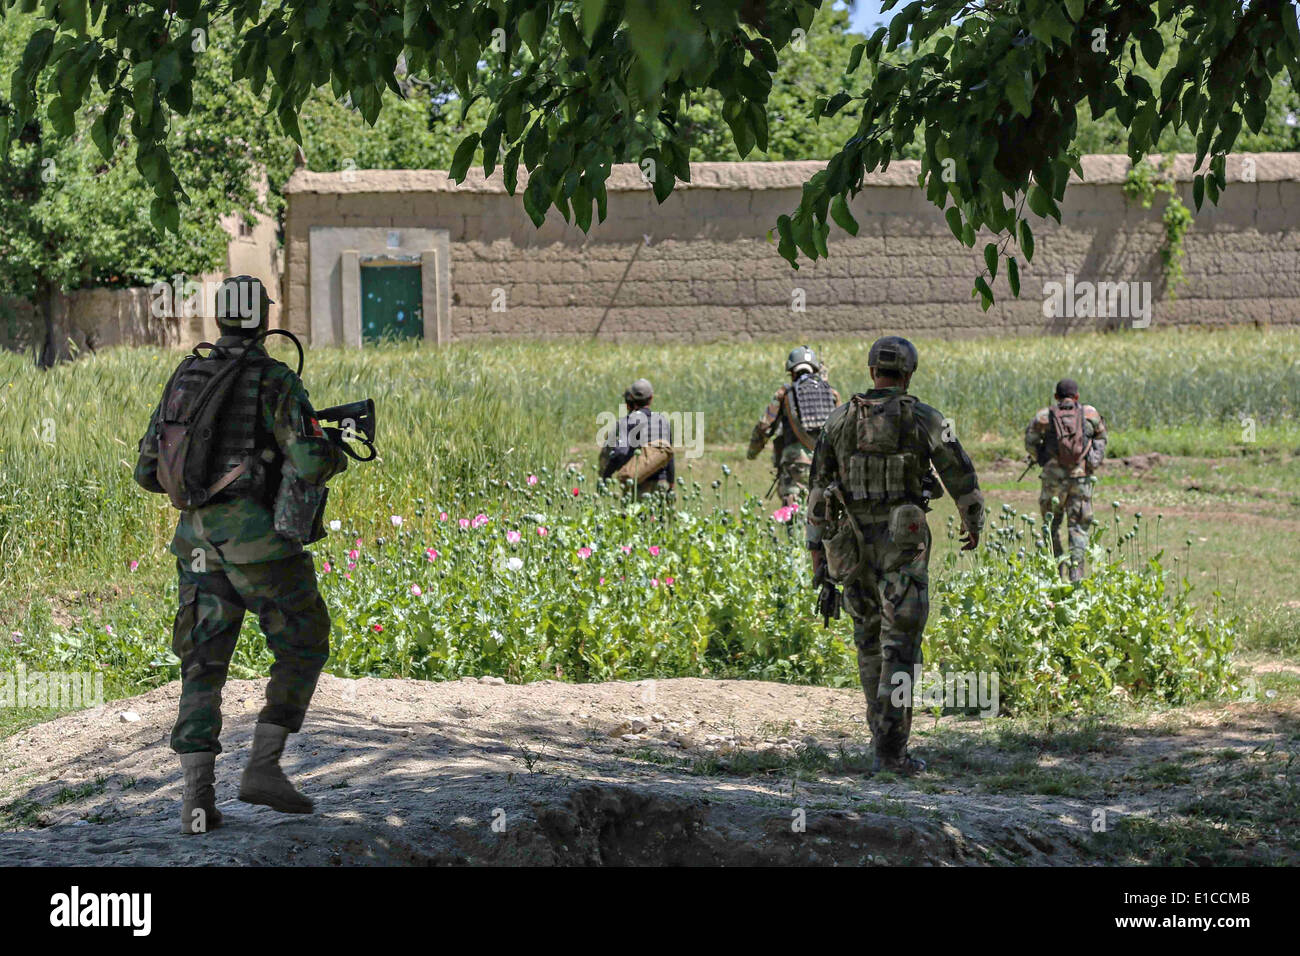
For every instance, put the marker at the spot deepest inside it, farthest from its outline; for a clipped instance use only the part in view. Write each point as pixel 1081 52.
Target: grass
pixel 477 416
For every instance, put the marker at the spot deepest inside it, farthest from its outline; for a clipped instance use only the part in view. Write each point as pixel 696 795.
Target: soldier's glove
pixel 828 603
pixel 970 540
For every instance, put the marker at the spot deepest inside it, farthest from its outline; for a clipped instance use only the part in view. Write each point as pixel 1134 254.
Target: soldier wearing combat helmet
pixel 871 481
pixel 233 429
pixel 794 418
pixel 1068 439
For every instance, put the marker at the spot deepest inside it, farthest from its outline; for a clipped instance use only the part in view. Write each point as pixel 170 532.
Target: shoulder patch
pixel 1043 416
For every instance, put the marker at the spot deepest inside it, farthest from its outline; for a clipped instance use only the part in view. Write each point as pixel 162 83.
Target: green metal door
pixel 391 302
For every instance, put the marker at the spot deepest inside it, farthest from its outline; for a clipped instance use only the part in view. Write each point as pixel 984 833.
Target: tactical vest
pixel 890 457
pixel 236 436
pixel 808 403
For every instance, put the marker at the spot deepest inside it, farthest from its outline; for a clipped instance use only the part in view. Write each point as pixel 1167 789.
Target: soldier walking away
pixel 236 446
pixel 870 486
pixel 1068 439
pixel 793 419
pixel 639 452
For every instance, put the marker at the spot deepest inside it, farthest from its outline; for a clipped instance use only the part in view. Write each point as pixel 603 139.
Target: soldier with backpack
pixel 1068 439
pixel 873 476
pixel 794 418
pixel 638 454
pixel 237 447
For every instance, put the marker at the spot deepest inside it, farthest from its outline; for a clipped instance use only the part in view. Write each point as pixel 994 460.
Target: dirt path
pixel 721 772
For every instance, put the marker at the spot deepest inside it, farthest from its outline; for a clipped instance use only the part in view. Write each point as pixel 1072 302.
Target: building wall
pixel 701 266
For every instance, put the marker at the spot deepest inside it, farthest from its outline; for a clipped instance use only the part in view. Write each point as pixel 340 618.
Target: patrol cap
pixel 639 391
pixel 801 355
pixel 242 303
pixel 1067 388
pixel 892 353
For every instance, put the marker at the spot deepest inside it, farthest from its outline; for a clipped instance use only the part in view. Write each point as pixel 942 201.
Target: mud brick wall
pixel 701 266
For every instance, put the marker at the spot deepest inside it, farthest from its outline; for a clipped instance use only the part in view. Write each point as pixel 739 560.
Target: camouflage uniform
pixel 790 457
pixel 1067 493
pixel 889 597
pixel 230 559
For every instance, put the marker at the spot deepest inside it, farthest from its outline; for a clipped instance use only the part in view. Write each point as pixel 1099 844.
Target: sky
pixel 865 13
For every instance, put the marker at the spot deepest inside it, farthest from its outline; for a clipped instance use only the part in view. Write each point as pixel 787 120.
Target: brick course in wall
pixel 700 266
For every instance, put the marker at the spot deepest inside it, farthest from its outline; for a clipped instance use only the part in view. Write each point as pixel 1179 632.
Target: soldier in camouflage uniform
pixel 230 559
pixel 871 482
pixel 795 428
pixel 1067 478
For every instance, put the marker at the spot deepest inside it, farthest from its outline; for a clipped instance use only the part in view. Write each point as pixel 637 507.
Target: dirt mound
pixel 411 772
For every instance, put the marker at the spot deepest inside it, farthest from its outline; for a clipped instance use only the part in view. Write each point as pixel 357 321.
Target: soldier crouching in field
pixel 232 428
pixel 1068 439
pixel 870 486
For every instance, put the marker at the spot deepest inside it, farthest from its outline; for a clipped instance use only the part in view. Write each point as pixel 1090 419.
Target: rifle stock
pixel 351 422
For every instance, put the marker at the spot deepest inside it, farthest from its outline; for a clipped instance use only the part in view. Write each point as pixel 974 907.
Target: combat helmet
pixel 893 353
pixel 802 355
pixel 242 304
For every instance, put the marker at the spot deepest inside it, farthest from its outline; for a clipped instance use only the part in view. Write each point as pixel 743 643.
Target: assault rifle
pixel 352 422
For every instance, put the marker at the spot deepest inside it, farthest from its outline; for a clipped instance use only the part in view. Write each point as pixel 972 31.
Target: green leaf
pixel 953 215
pixel 1026 240
pixel 1153 46
pixel 463 157
pixel 843 216
pixel 855 57
pixel 1013 275
pixel 1039 201
pixel 991 259
pixel 1198 190
pixel 985 293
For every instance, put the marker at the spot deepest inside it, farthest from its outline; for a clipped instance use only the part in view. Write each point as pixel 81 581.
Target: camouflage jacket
pixel 933 444
pixel 241 531
pixel 1094 430
pixel 773 423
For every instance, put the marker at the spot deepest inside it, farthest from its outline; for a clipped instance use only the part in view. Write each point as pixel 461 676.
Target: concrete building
pixel 408 253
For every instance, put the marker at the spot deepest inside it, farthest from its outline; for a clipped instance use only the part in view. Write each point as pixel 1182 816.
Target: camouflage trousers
pixel 793 464
pixel 1063 498
pixel 889 603
pixel 293 617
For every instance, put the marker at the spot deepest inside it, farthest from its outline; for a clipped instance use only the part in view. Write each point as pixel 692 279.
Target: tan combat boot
pixel 199 812
pixel 264 782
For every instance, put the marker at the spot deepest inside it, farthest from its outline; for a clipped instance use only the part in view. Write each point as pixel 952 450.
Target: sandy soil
pixel 410 772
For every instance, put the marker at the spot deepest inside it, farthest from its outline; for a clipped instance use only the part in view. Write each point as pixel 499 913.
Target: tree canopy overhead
pixel 993 89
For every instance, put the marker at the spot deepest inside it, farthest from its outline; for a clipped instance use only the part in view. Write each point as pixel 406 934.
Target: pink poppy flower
pixel 352 565
pixel 377 628
pixel 669 581
pixel 442 516
pixel 415 589
pixel 479 521
pixel 464 523
pixel 602 580
pixel 542 531
pixel 132 565
pixel 513 537
pixel 627 549
pixel 576 492
pixel 327 567
pixel 654 582
pixel 353 554
pixel 358 542
pixel 654 550
pixel 431 554
pixel 585 552
pixel 532 479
